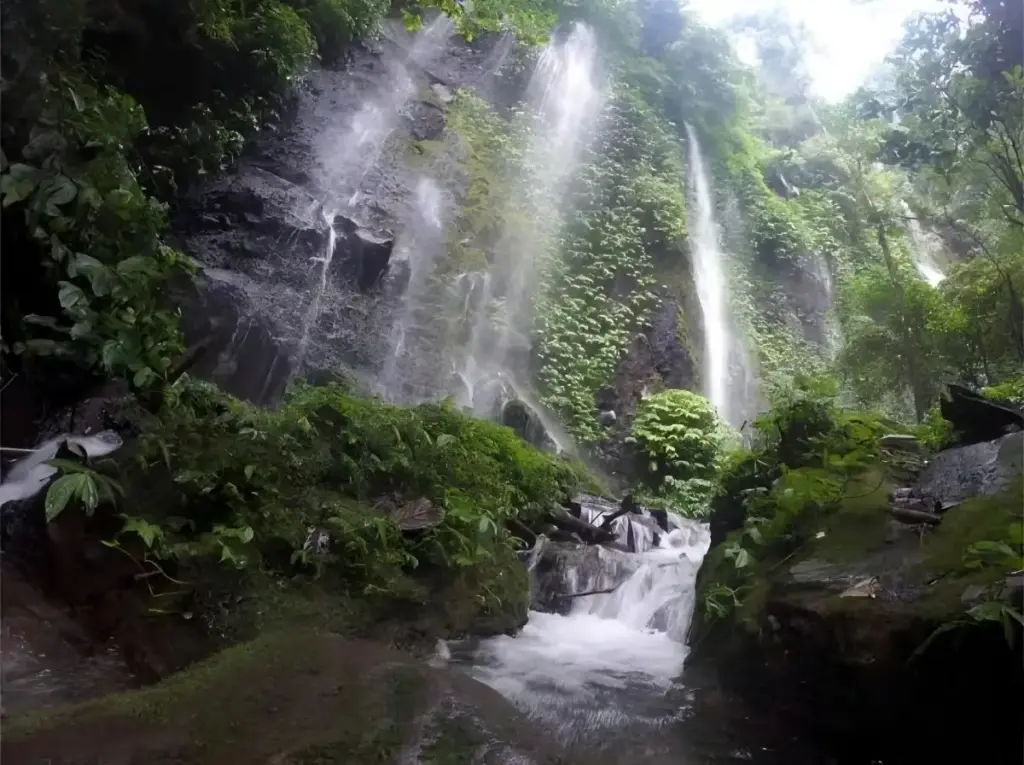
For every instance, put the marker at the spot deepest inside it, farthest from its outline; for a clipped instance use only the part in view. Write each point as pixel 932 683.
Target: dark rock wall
pixel 262 233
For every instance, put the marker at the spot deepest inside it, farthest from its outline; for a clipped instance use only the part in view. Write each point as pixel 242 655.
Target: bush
pixel 221 477
pixel 336 24
pixel 679 442
pixel 1009 392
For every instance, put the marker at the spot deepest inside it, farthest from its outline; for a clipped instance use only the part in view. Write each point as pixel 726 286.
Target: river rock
pixel 979 469
pixel 976 418
pixel 291 698
pixel 562 571
pixel 835 640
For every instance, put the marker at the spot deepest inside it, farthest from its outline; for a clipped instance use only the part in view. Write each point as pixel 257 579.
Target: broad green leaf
pixel 64 191
pixel 137 265
pixel 149 532
pixel 59 494
pixel 18 183
pixel 71 295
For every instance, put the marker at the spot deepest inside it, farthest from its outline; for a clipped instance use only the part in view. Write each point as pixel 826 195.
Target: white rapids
pixel 611 661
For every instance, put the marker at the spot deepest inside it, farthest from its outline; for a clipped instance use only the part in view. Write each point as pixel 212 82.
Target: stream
pixel 608 677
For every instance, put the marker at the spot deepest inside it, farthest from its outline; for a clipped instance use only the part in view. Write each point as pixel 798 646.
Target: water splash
pixel 351 152
pixel 610 661
pixel 563 98
pixel 926 248
pixel 417 249
pixel 711 286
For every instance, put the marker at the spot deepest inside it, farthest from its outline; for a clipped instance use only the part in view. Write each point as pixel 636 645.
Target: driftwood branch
pixel 906 515
pixel 592 592
pixel 589 533
pixel 628 506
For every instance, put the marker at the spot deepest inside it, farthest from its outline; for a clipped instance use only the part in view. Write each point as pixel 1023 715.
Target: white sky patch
pixel 851 37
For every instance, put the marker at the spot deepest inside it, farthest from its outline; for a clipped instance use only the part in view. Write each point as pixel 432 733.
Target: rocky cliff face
pixel 301 245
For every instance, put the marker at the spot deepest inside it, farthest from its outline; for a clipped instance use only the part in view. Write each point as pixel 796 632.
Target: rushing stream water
pixel 610 663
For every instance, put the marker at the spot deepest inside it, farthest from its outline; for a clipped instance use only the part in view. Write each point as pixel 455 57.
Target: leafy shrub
pixel 1009 392
pixel 678 437
pixel 336 24
pixel 98 233
pixel 328 460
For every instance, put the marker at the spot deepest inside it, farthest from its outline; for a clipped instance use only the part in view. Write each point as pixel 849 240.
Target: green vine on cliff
pixel 625 208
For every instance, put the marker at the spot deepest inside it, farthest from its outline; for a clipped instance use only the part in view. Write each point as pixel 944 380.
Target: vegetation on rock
pixel 679 441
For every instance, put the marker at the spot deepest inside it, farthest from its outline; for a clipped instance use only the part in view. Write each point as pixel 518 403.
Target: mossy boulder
pixel 295 697
pixel 834 633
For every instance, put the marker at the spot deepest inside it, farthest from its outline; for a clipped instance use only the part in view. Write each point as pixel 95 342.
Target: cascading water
pixel 348 154
pixel 926 248
pixel 711 287
pixel 610 661
pixel 563 98
pixel 418 248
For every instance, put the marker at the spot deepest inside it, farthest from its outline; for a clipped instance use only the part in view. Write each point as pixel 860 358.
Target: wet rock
pixel 527 424
pixel 976 418
pixel 444 95
pixel 426 120
pixel 563 570
pixel 243 355
pixel 842 623
pixel 362 257
pixel 901 442
pixel 46 658
pixel 979 469
pixel 662 356
pixel 296 698
pixel 606 418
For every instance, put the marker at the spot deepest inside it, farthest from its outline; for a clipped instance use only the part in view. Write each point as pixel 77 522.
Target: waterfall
pixel 417 249
pixel 563 99
pixel 613 658
pixel 348 155
pixel 711 287
pixel 925 248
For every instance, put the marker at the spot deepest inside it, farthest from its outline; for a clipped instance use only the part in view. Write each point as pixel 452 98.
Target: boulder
pixel 838 636
pixel 295 697
pixel 525 421
pixel 362 257
pixel 976 418
pixel 243 355
pixel 564 570
pixel 979 469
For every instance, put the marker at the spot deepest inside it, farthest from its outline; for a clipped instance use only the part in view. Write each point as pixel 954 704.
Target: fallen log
pixel 907 515
pixel 591 592
pixel 589 533
pixel 627 506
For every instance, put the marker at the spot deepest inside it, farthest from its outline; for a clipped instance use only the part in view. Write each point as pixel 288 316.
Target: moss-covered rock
pixel 296 697
pixel 836 633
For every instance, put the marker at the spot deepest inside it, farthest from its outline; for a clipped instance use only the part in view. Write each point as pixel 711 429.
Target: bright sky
pixel 852 36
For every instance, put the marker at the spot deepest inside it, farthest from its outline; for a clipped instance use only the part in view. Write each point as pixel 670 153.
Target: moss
pixel 317 695
pixel 453 741
pixel 859 526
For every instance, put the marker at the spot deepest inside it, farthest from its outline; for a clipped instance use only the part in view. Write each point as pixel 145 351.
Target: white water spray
pixel 926 248
pixel 563 98
pixel 418 247
pixel 610 661
pixel 710 279
pixel 349 153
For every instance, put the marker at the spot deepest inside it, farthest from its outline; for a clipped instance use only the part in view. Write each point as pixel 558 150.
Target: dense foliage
pixel 318 488
pixel 679 443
